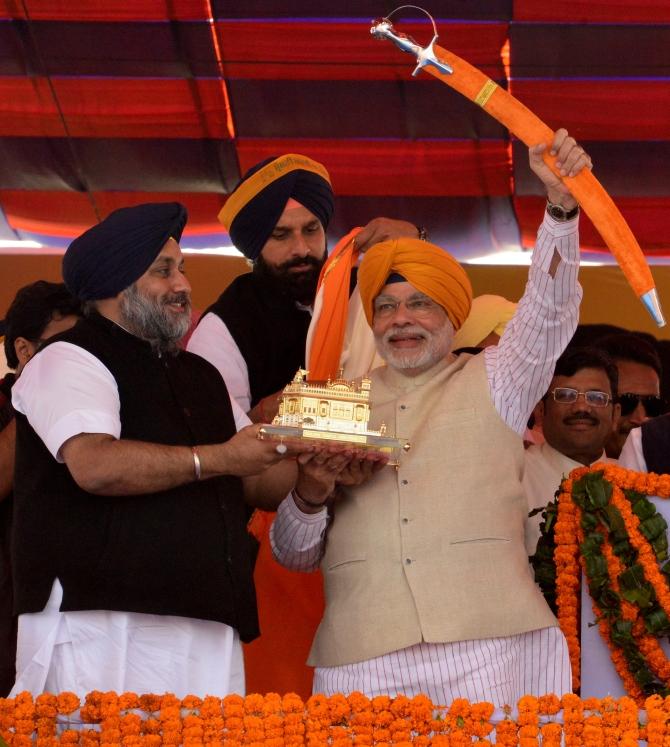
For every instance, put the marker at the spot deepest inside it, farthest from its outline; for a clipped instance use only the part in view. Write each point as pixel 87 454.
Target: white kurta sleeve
pixel 520 368
pixel 297 539
pixel 64 391
pixel 241 418
pixel 212 341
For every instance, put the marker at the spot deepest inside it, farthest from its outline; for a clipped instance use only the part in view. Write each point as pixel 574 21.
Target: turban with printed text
pixel 252 210
pixel 116 252
pixel 427 267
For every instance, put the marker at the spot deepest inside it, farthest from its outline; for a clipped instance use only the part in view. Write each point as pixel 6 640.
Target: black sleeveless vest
pixel 656 444
pixel 183 551
pixel 269 330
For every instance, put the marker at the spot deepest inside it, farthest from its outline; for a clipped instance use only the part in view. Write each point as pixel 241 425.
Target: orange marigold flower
pixel 128 701
pixel 150 703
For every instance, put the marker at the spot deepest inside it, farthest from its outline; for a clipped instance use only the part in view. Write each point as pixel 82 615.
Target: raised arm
pixel 520 368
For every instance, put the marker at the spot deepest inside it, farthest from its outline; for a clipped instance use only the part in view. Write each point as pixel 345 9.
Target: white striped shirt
pixel 519 371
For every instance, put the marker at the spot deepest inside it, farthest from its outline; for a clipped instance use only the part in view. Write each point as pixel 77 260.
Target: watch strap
pixel 558 212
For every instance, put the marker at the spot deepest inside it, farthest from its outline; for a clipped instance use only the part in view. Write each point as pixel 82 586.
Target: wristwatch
pixel 558 212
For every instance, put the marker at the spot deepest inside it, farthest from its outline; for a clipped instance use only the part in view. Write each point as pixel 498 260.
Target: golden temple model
pixel 336 410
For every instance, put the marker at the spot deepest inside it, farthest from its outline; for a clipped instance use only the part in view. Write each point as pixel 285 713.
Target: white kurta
pixel 212 340
pixel 519 370
pixel 65 391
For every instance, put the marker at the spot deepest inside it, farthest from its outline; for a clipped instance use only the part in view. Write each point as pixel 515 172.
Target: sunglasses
pixel 565 395
pixel 653 404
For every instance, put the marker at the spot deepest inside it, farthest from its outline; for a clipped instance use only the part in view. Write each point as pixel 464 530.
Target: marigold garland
pixel 568 575
pixel 609 529
pixel 129 720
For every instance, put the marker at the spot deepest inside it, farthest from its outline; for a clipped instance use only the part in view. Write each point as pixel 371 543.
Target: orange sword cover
pixel 530 129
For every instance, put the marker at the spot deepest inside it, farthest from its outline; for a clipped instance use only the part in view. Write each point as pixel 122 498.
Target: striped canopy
pixel 105 104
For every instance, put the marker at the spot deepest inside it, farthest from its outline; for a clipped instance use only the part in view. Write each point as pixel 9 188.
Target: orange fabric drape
pixel 290 607
pixel 328 335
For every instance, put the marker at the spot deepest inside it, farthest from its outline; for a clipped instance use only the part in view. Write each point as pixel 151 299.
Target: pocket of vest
pixel 480 540
pixel 338 563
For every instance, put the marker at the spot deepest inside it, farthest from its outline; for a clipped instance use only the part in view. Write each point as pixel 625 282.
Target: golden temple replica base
pixel 334 411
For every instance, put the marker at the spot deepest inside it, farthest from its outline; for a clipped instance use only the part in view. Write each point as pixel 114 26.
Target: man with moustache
pixel 255 335
pixel 578 414
pixel 427 582
pixel 132 564
pixel 255 332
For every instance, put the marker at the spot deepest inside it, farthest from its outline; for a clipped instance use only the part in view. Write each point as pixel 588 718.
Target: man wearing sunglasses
pixel 578 414
pixel 639 369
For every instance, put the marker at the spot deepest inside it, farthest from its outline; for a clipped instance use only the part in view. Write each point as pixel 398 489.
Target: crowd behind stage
pixel 153 541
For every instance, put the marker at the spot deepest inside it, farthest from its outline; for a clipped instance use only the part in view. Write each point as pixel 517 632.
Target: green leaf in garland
pixel 660 547
pixel 622 632
pixel 596 570
pixel 598 489
pixel 653 526
pixel 592 545
pixel 643 508
pixel 655 529
pixel 543 559
pixel 624 550
pixel 657 622
pixel 589 521
pixel 642 597
pixel 615 522
pixel 635 588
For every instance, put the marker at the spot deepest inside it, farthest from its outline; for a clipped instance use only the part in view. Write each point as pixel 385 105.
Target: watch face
pixel 556 211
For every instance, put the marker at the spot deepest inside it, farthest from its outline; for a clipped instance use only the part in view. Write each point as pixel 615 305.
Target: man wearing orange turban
pixel 427 583
pixel 430 269
pixel 255 334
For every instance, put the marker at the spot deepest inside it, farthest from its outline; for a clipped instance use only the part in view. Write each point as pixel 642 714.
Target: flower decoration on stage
pixel 604 524
pixel 130 720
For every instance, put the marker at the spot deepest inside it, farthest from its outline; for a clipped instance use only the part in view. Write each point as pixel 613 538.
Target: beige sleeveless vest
pixel 433 551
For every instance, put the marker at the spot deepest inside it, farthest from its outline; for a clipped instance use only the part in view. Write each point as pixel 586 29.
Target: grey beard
pixel 148 319
pixel 438 346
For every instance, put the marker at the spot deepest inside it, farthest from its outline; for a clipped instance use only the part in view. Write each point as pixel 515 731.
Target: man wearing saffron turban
pixel 131 558
pixel 427 582
pixel 255 335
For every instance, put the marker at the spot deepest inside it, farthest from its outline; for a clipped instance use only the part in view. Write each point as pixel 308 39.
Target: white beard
pixel 435 347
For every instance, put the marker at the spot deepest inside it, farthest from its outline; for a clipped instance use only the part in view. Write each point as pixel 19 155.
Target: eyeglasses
pixel 652 403
pixel 419 307
pixel 565 395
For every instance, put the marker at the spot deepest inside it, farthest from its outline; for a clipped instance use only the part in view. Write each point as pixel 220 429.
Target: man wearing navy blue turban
pixel 131 557
pixel 255 335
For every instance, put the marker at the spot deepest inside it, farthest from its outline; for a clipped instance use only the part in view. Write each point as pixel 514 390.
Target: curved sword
pixel 530 129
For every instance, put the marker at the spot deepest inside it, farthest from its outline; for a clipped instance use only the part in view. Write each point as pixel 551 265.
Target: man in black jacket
pixel 132 563
pixel 255 332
